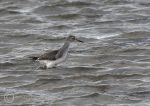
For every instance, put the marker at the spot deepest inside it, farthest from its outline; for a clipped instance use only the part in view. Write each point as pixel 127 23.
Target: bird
pixel 51 59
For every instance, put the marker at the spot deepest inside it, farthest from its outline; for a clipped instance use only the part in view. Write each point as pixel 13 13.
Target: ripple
pixel 136 34
pixel 74 3
pixel 98 88
pixel 50 10
pixel 60 27
pixel 5 12
pixel 141 94
pixel 6 65
pixel 110 67
pixel 64 16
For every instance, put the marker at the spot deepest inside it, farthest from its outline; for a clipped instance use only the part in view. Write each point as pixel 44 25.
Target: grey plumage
pixel 56 56
pixel 62 50
pixel 53 55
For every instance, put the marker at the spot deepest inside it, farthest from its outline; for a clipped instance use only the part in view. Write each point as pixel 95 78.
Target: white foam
pixel 93 32
pixel 104 36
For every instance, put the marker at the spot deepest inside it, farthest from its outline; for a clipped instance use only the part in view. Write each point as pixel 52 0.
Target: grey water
pixel 111 67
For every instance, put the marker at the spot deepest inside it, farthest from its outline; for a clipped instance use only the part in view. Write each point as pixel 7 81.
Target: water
pixel 112 67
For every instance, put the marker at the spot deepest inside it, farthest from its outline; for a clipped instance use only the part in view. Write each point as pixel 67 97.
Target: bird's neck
pixel 63 50
pixel 65 47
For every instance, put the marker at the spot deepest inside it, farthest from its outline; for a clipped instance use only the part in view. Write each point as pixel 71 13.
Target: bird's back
pixel 49 55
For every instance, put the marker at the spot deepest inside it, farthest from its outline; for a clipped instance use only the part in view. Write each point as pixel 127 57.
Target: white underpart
pixel 53 63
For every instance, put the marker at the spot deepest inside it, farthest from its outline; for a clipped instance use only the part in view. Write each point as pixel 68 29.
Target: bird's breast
pixel 47 63
pixel 62 59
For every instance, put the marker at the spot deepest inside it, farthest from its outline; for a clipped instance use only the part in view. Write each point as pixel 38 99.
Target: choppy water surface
pixel 112 67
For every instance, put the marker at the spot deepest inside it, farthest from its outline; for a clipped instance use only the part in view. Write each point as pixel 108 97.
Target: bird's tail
pixel 34 57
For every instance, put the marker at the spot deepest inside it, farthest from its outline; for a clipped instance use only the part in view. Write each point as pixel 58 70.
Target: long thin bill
pixel 79 40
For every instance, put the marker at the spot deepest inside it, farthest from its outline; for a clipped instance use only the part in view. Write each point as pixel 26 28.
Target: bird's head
pixel 72 38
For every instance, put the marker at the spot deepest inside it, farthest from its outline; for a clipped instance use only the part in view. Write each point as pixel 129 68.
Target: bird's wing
pixel 59 54
pixel 49 55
